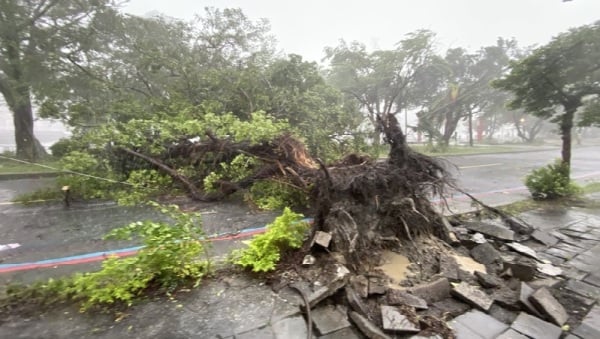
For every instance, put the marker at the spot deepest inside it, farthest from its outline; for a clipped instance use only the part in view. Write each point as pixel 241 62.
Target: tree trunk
pixel 28 147
pixel 470 127
pixel 566 127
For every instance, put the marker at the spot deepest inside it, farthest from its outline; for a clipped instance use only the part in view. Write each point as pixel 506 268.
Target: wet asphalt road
pixel 47 231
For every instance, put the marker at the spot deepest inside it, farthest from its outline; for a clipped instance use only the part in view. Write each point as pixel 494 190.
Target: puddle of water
pixel 394 266
pixel 468 264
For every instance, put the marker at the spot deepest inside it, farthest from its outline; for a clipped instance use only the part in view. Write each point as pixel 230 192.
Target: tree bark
pixel 28 147
pixel 470 127
pixel 566 126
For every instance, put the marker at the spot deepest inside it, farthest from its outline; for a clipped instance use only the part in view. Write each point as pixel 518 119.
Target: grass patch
pixel 463 150
pixel 10 166
pixel 591 188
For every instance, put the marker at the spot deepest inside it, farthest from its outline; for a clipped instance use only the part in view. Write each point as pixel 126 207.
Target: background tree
pixel 380 81
pixel 555 81
pixel 36 36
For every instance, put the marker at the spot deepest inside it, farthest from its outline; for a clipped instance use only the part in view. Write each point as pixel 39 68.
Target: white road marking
pixel 477 166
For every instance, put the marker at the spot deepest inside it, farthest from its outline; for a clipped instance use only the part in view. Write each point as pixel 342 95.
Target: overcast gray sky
pixel 305 27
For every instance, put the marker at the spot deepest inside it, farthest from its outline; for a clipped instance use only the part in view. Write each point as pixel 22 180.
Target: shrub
pixel 551 182
pixel 172 256
pixel 264 250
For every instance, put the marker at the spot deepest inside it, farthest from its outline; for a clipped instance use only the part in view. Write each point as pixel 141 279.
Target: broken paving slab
pixel 290 328
pixel 590 325
pixel 486 254
pixel 395 321
pixel 546 304
pixel 449 307
pixel 366 327
pixel 525 291
pixel 488 280
pixel 449 267
pixel 507 297
pixel 355 301
pixel 495 231
pixel 346 333
pixel 432 291
pixel 544 238
pixel 535 327
pixel 586 261
pixel 329 319
pixel 549 269
pixel 322 239
pixel 397 297
pixel 476 324
pixel 525 250
pixel 523 269
pixel 472 295
pixel 263 333
pixel 502 314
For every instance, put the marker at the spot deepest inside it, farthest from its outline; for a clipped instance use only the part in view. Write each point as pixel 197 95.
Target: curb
pixel 32 175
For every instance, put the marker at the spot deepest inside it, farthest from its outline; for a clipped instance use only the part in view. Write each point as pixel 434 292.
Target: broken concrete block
pixel 546 304
pixel 322 239
pixel 539 283
pixel 395 321
pixel 398 297
pixel 486 254
pixel 525 250
pixel 495 231
pixel 329 319
pixel 472 295
pixel 449 267
pixel 534 327
pixel 478 238
pixel 367 327
pixel 432 291
pixel 524 293
pixel 488 280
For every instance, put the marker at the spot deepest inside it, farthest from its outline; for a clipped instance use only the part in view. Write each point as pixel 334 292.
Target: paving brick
pixel 265 332
pixel 503 314
pixel 511 334
pixel 543 300
pixel 587 262
pixel 584 289
pixel 572 272
pixel 329 319
pixel 290 328
pixel 590 325
pixel 488 280
pixel 346 333
pixel 544 238
pixel 476 324
pixel 535 327
pixel 593 279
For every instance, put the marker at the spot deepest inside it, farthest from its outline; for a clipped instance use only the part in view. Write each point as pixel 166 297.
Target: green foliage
pixel 240 167
pixel 551 182
pixel 273 195
pixel 62 147
pixel 173 255
pixel 264 250
pixel 86 186
pixel 147 182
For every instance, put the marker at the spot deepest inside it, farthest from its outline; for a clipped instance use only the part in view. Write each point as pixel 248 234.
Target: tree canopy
pixel 557 79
